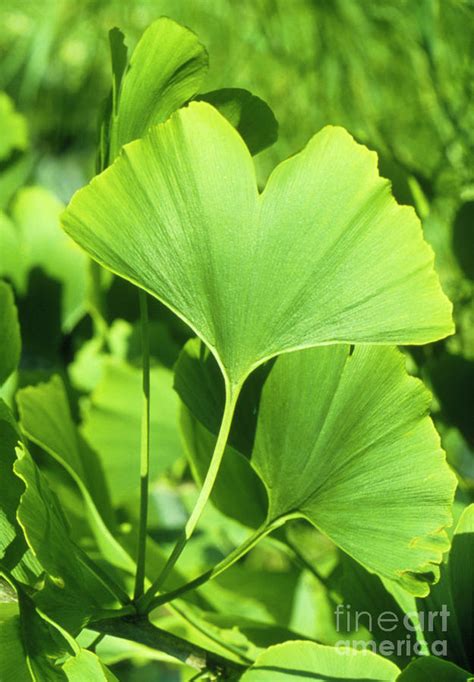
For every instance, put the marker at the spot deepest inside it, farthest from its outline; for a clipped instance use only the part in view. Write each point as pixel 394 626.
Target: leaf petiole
pixel 222 566
pixel 144 448
pixel 144 602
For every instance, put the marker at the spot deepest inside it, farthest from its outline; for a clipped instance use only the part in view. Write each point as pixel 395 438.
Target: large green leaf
pixel 10 341
pixel 305 660
pixel 46 420
pixel 324 255
pixel 344 440
pixel 112 425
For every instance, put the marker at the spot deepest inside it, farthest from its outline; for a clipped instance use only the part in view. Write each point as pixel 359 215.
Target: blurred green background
pixel 398 74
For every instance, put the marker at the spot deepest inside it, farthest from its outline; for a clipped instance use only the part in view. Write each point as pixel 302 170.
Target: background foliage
pixel 399 75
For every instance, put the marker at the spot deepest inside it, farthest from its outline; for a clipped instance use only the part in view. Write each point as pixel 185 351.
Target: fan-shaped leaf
pixel 324 255
pixel 346 441
pixel 166 70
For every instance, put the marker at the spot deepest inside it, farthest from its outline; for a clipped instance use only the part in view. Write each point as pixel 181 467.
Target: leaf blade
pixel 190 184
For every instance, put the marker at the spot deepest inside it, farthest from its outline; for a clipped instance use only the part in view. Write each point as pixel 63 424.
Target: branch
pixel 139 629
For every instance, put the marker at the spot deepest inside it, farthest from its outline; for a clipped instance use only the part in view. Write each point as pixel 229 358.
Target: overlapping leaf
pixel 324 255
pixel 15 556
pixel 73 590
pixel 166 70
pixel 346 441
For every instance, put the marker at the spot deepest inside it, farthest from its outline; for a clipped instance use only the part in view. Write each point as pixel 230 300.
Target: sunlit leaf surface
pixel 324 255
pixel 306 660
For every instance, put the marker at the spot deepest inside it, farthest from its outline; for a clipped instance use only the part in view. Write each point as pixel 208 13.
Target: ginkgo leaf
pixel 34 649
pixel 302 660
pixel 10 486
pixel 323 255
pixel 345 440
pixel 10 341
pixel 166 69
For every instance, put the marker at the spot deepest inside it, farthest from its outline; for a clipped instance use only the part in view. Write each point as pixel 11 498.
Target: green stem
pixel 144 449
pixel 140 630
pixel 97 301
pixel 222 566
pixel 231 400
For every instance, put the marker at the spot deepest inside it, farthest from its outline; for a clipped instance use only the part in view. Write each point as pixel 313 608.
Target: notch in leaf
pixel 323 255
